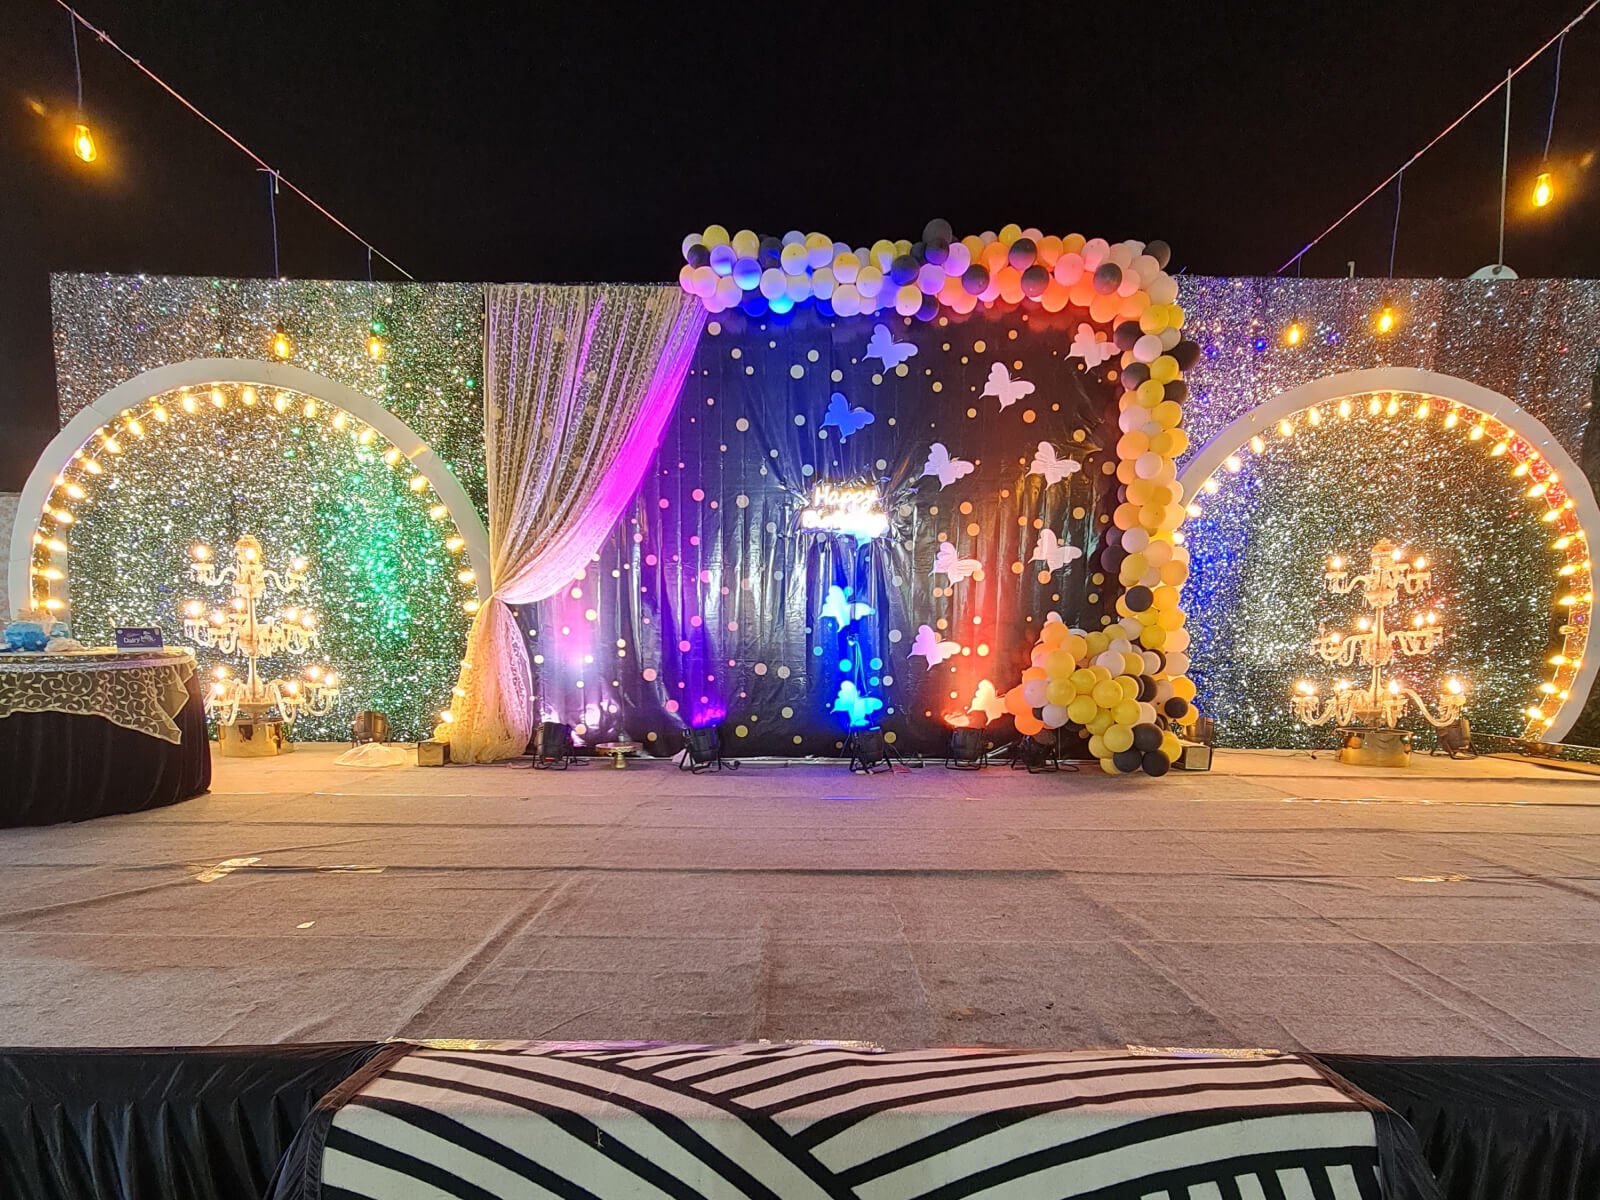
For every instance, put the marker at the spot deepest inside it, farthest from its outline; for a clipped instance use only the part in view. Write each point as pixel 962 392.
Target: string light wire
pixel 1394 234
pixel 262 163
pixel 1555 94
pixel 1437 138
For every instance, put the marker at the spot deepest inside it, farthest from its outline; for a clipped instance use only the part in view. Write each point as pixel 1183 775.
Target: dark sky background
pixel 574 141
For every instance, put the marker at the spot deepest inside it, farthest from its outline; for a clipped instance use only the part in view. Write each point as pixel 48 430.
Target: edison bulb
pixel 83 143
pixel 1543 188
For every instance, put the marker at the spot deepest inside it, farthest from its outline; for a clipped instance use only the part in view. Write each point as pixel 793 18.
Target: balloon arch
pixel 1568 502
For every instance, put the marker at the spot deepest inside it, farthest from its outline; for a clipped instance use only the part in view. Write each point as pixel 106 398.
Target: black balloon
pixel 1034 281
pixel 1122 493
pixel 1186 353
pixel 1126 334
pixel 1177 708
pixel 697 255
pixel 937 250
pixel 903 269
pixel 1159 251
pixel 1112 558
pixel 1022 253
pixel 1146 738
pixel 1134 374
pixel 975 279
pixel 1175 390
pixel 1127 761
pixel 1113 536
pixel 1147 689
pixel 928 309
pixel 1156 764
pixel 1139 597
pixel 919 251
pixel 939 230
pixel 1107 278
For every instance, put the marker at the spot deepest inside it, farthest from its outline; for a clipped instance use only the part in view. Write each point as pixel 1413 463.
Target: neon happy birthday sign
pixel 854 511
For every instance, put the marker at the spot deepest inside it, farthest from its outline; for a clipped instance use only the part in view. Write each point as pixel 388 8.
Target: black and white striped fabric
pixel 827 1121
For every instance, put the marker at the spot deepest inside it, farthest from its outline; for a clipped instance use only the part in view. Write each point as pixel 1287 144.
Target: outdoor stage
pixel 1453 908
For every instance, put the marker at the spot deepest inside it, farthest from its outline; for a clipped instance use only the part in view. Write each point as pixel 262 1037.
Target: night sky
pixel 582 141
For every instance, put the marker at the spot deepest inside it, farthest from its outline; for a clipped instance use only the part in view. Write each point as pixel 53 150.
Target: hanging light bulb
pixel 1387 319
pixel 83 143
pixel 1293 334
pixel 282 347
pixel 375 347
pixel 1543 188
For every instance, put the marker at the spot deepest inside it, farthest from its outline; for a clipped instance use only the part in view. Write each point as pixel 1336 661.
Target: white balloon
pixel 1159 552
pixel 1121 254
pixel 958 260
pixel 794 238
pixel 1177 642
pixel 1147 465
pixel 1146 268
pixel 1034 691
pixel 1147 349
pixel 1054 715
pixel 1177 662
pixel 1131 627
pixel 772 283
pixel 846 300
pixel 728 293
pixel 1095 252
pixel 822 282
pixel 1147 713
pixel 798 287
pixel 1135 540
pixel 1164 691
pixel 1111 660
pixel 1163 289
pixel 1170 338
pixel 1132 418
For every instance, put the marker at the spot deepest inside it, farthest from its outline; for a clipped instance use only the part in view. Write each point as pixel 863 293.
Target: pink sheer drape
pixel 578 385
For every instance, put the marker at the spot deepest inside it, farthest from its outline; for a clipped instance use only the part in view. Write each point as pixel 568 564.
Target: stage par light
pixel 703 746
pixel 966 750
pixel 552 746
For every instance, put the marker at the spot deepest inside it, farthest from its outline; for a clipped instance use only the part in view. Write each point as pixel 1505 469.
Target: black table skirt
pixel 59 767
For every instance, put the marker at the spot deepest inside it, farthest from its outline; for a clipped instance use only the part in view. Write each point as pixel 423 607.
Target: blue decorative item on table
pixel 26 637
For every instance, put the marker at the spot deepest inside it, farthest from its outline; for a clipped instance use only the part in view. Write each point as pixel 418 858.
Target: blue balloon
pixel 747 273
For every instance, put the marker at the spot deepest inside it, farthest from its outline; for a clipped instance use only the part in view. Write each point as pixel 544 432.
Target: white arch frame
pixel 1264 418
pixel 198 372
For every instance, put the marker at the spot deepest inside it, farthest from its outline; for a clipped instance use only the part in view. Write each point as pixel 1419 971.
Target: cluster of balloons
pixel 1104 686
pixel 1125 282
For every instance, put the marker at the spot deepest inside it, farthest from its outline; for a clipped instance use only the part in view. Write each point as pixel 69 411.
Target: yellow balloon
pixel 1060 691
pixel 1100 673
pixel 1150 393
pixel 1183 686
pixel 1130 685
pixel 1095 642
pixel 1010 233
pixel 1073 243
pixel 1153 636
pixel 1175 316
pixel 1099 723
pixel 1170 619
pixel 1077 646
pixel 1082 710
pixel 1053 634
pixel 1109 767
pixel 1168 414
pixel 1134 665
pixel 1164 369
pixel 1125 516
pixel 1175 572
pixel 1082 680
pixel 714 236
pixel 1058 664
pixel 1125 713
pixel 1097 747
pixel 1136 564
pixel 1106 693
pixel 1148 617
pixel 1170 745
pixel 1165 598
pixel 1153 319
pixel 1119 737
pixel 1139 492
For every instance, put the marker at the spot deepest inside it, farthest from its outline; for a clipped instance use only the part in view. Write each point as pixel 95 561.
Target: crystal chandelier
pixel 240 629
pixel 1374 646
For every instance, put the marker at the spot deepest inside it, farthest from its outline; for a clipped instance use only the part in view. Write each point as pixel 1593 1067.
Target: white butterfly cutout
pixel 928 645
pixel 1092 350
pixel 1051 551
pixel 882 345
pixel 1051 466
pixel 839 607
pixel 987 701
pixel 952 566
pixel 1009 390
pixel 946 468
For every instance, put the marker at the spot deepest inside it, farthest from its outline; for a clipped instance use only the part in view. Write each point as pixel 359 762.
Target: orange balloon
pixel 1104 308
pixel 1055 297
pixel 1082 293
pixel 994 256
pixel 1028 725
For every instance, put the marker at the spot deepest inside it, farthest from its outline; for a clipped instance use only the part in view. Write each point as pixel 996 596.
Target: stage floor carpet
pixel 1450 909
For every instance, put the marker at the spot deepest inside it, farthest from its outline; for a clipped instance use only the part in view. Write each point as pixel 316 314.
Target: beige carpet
pixel 1452 909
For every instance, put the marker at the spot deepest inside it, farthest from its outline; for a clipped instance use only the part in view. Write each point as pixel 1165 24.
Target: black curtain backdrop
pixel 706 604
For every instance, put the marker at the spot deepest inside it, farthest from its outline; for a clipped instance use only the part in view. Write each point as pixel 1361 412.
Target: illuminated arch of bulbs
pixel 87 449
pixel 1557 490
